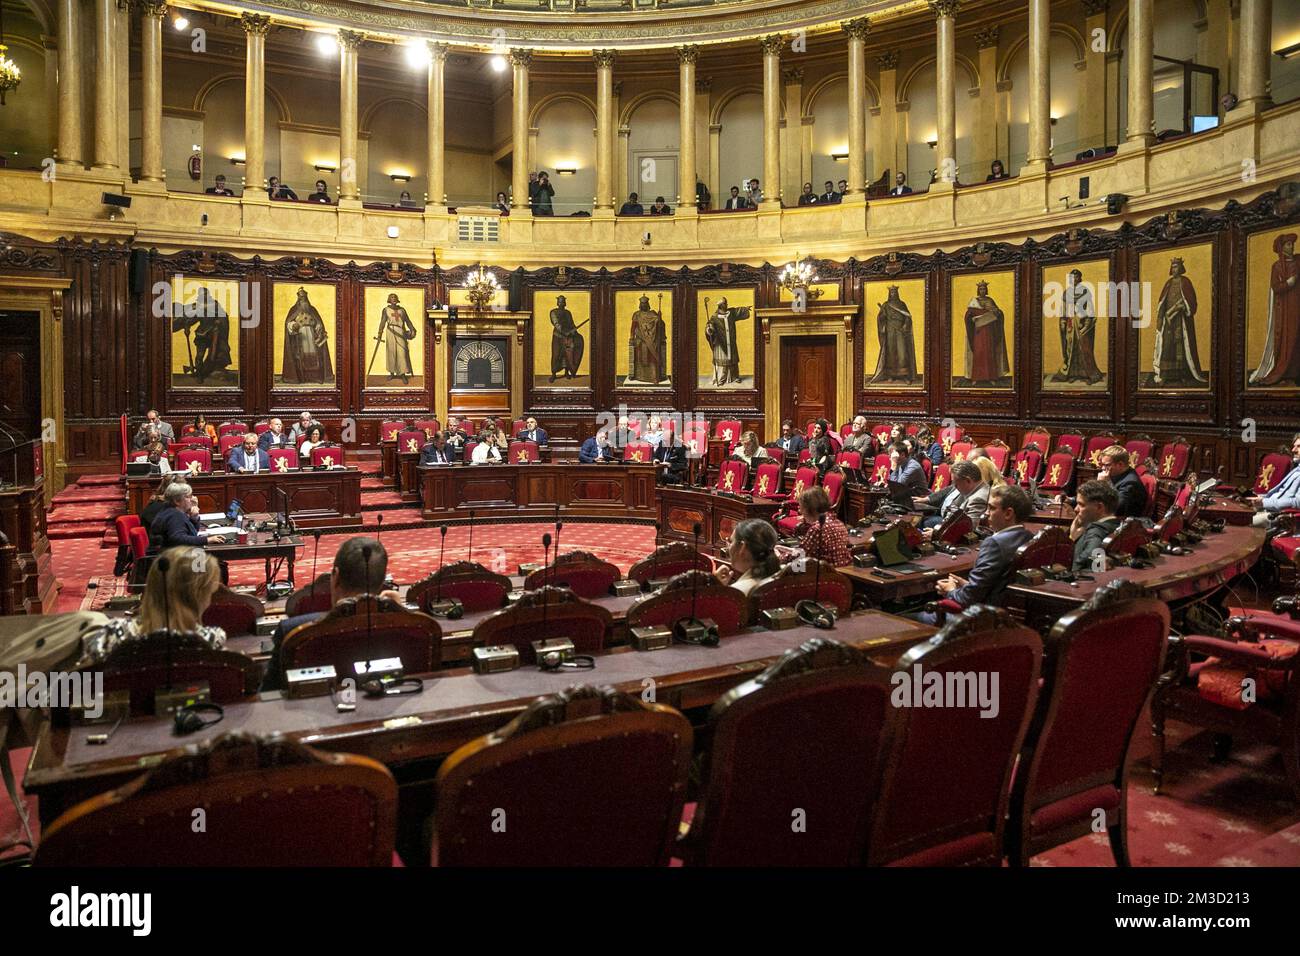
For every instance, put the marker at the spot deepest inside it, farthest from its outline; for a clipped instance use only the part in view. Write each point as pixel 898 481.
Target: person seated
pixel 158 501
pixel 632 207
pixel 996 172
pixel 348 580
pixel 532 433
pixel 751 552
pixel 489 446
pixel 405 201
pixel 299 430
pixel 596 448
pixel 989 473
pixel 829 542
pixel 1094 521
pixel 931 447
pixel 274 437
pixel 860 439
pixel 654 432
pixel 502 204
pixel 753 193
pixel 153 429
pixel 900 186
pixel 821 454
pixel 749 450
pixel 436 451
pixel 200 427
pixel 736 200
pixel 178 524
pixel 906 470
pixel 670 460
pixel 219 189
pixel 1114 467
pixel 1009 508
pixel 173 600
pixel 455 434
pixel 841 190
pixel 156 457
pixel 494 434
pixel 791 441
pixel 808 197
pixel 829 195
pixel 660 208
pixel 1284 496
pixel 315 436
pixel 248 458
pixel 322 193
pixel 968 492
pixel 277 190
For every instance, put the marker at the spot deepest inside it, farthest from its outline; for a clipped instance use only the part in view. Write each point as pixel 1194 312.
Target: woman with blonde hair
pixel 174 599
pixel 748 449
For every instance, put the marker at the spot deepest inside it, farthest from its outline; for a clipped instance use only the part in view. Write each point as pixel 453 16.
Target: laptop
pixel 893 551
pixel 134 469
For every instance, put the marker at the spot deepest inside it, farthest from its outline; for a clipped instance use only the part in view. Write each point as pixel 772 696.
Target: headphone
pixel 815 613
pixel 709 638
pixel 554 661
pixel 189 719
pixel 391 687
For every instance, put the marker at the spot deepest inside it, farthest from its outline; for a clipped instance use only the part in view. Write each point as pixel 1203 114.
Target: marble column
pixel 151 17
pixel 986 130
pixel 436 176
pixel 857 31
pixel 349 174
pixel 70 142
pixel 686 57
pixel 1092 120
pixel 520 61
pixel 106 130
pixel 605 129
pixel 255 27
pixel 887 158
pixel 1140 114
pixel 945 90
pixel 1256 35
pixel 771 185
pixel 1040 98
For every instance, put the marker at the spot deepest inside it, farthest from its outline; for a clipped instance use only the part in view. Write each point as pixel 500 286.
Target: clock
pixel 479 363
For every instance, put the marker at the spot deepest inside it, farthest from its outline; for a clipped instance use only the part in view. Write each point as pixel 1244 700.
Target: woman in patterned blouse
pixel 825 543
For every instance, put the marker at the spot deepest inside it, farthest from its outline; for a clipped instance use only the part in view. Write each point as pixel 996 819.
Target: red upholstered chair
pixel 949 437
pixel 919 821
pixel 388 431
pixel 942 477
pixel 767 480
pixel 523 453
pixel 1037 436
pixel 518 425
pixel 468 451
pixel 787 519
pixel 1059 472
pixel 954 528
pixel 1051 545
pixel 668 561
pixel 234 613
pixel 189 456
pixel 328 456
pixel 1175 459
pixel 410 442
pixel 960 449
pixel 731 476
pixel 638 451
pixel 696 441
pixel 174 448
pixel 1096 444
pixel 999 454
pixel 1128 537
pixel 1103 660
pixel 1139 449
pixel 927 466
pixel 880 469
pixel 804 455
pixel 348 634
pixel 1151 485
pixel 846 429
pixel 1272 469
pixel 141 666
pixel 728 429
pixel 789 587
pixel 138 539
pixel 564 615
pixel 1027 465
pixel 849 459
pixel 833 482
pixel 615 765
pixel 427 425
pixel 227 442
pixel 194 441
pixel 911 429
pixel 1204 687
pixel 283 459
pixel 1072 443
pixel 259 427
pixel 231 428
pixel 124 524
pixel 882 432
pixel 581 572
pixel 477 588
pixel 274 802
pixel 310 599
pixel 836 442
pixel 809 732
pixel 729 608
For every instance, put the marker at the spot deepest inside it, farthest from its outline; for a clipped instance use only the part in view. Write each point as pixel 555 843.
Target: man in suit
pixel 177 523
pixel 161 430
pixel 436 451
pixel 348 579
pixel 842 190
pixel 596 448
pixel 791 441
pixel 906 470
pixel 247 458
pixel 900 186
pixel 1114 467
pixel 1094 521
pixel 532 433
pixel 807 197
pixel 860 439
pixel 1285 494
pixel 1009 508
pixel 736 200
pixel 220 188
pixel 277 190
pixel 670 461
pixel 968 493
pixel 274 437
pixel 632 207
pixel 829 195
pixel 304 424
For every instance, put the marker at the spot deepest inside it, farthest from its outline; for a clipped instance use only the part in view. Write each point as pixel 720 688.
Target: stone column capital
pixel 521 57
pixel 604 59
pixel 152 8
pixel 792 76
pixel 1093 7
pixel 704 86
pixel 772 44
pixel 350 39
pixel 688 53
pixel 857 28
pixel 944 8
pixel 437 50
pixel 255 24
pixel 987 37
pixel 888 60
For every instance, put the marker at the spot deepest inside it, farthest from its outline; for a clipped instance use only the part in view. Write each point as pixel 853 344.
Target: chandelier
pixel 800 275
pixel 10 75
pixel 481 287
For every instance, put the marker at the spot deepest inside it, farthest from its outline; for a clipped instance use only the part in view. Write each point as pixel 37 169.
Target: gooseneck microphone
pixel 164 565
pixel 366 551
pixel 314 555
pixel 442 529
pixel 471 535
pixel 821 549
pixel 695 579
pixel 692 630
pixel 546 546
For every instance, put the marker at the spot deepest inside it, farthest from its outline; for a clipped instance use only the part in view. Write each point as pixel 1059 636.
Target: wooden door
pixel 807 380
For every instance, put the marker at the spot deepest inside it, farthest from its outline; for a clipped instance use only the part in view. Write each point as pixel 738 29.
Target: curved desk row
pixel 535 490
pixel 325 498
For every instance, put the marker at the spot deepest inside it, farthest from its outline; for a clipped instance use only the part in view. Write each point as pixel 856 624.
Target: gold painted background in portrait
pixel 736 298
pixel 830 292
pixel 579 303
pixel 184 292
pixel 1095 274
pixel 1259 270
pixel 1002 290
pixel 324 298
pixel 626 302
pixel 912 292
pixel 412 300
pixel 1153 267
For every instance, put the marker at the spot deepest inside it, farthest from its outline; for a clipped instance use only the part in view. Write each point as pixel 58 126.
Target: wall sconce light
pixel 566 171
pixel 932 143
pixel 1054 120
pixel 236 160
pixel 1288 51
pixel 325 168
pixel 400 177
pixel 839 157
pixel 392 232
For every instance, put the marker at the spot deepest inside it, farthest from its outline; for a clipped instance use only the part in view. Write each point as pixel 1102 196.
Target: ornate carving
pixel 792 76
pixel 350 39
pixel 772 44
pixel 152 8
pixel 857 28
pixel 521 57
pixel 944 8
pixel 571 704
pixel 604 59
pixel 689 53
pixel 976 620
pixel 1173 226
pixel 437 51
pixel 888 60
pixel 1092 8
pixel 987 37
pixel 818 653
pixel 704 85
pixel 255 24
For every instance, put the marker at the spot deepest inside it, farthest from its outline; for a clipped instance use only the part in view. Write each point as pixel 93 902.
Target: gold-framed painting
pixel 1077 305
pixel 1272 310
pixel 724 340
pixel 204 322
pixel 561 332
pixel 1175 344
pixel 983 330
pixel 643 338
pixel 304 322
pixel 394 337
pixel 893 341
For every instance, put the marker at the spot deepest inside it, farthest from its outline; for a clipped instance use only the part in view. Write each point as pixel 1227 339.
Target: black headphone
pixel 391 687
pixel 189 719
pixel 815 613
pixel 554 661
pixel 709 638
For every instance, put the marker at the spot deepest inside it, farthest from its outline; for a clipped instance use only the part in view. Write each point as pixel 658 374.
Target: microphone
pixel 692 630
pixel 366 551
pixel 379 518
pixel 164 565
pixel 471 535
pixel 314 555
pixel 546 545
pixel 451 608
pixel 288 520
pixel 695 579
pixel 442 547
pixel 821 548
pixel 559 525
pixel 814 612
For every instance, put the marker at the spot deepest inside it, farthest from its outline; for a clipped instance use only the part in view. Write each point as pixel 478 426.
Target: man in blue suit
pixel 247 458
pixel 274 437
pixel 791 441
pixel 1009 508
pixel 1285 495
pixel 532 433
pixel 178 523
pixel 596 448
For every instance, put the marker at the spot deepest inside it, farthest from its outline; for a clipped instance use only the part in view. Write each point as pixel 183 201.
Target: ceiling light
pixel 327 43
pixel 498 63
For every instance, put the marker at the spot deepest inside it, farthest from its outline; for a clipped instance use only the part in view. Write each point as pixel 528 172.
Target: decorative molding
pixel 688 54
pixel 351 39
pixel 772 44
pixel 704 86
pixel 1092 8
pixel 255 24
pixel 988 37
pixel 152 8
pixel 437 51
pixel 520 56
pixel 888 60
pixel 857 28
pixel 944 8
pixel 604 59
pixel 792 76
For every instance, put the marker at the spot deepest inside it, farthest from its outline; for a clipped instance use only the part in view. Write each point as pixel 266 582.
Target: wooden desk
pixel 260 546
pixel 317 499
pixel 388 459
pixel 535 490
pixel 1231 510
pixel 862 500
pixel 454 708
pixel 681 507
pixel 879 590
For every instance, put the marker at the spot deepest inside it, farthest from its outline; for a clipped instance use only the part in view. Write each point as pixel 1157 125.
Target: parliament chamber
pixel 756 434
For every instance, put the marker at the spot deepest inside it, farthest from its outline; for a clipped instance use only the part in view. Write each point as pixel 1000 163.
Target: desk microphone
pixel 314 555
pixel 692 630
pixel 379 530
pixel 452 607
pixel 164 565
pixel 471 535
pixel 546 545
pixel 814 612
pixel 366 551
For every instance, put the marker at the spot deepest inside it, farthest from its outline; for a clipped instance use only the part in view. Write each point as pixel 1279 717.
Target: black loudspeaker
pixel 139 277
pixel 1084 185
pixel 113 199
pixel 516 301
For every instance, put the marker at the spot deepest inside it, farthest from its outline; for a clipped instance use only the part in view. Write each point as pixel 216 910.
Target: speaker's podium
pixel 27 584
pixel 478 357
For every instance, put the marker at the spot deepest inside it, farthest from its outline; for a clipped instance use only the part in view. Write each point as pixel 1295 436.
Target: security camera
pixel 645 238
